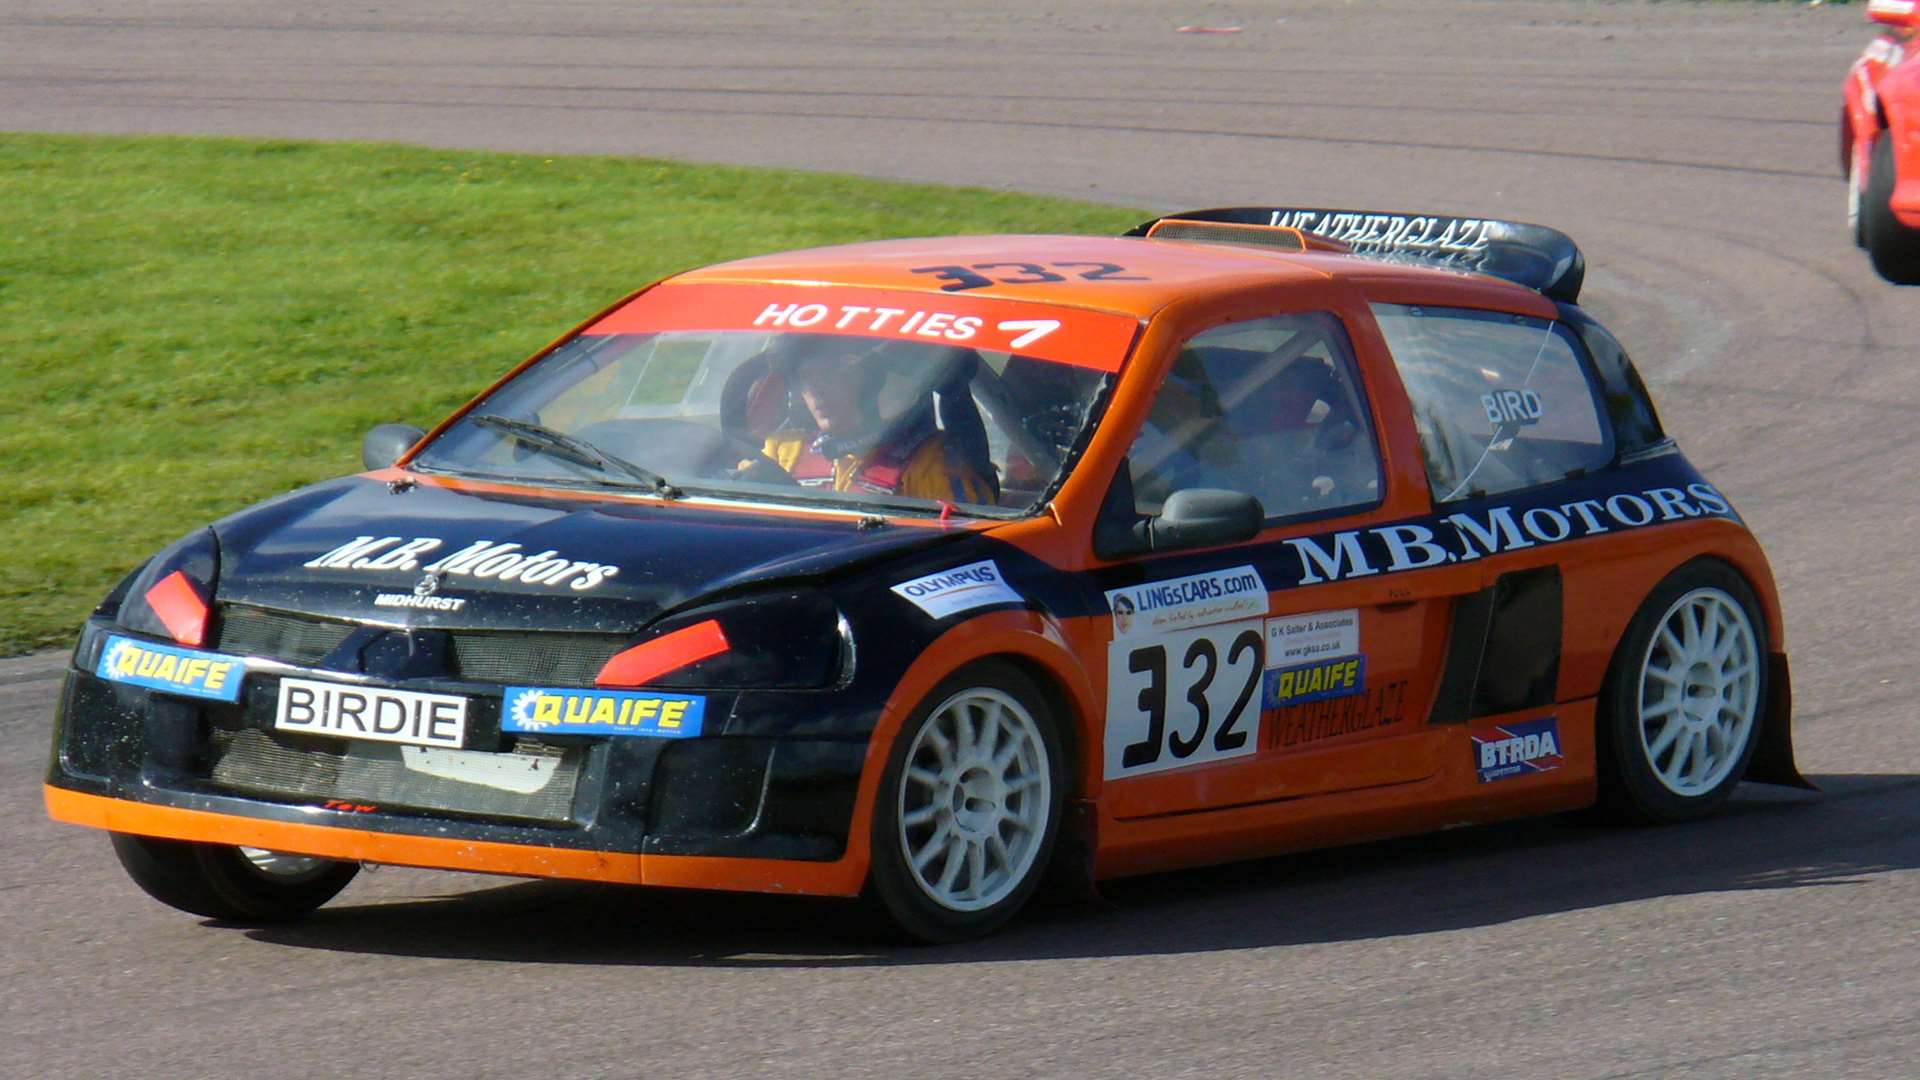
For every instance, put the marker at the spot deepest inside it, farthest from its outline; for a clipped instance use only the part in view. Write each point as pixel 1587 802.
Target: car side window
pixel 1501 401
pixel 1270 407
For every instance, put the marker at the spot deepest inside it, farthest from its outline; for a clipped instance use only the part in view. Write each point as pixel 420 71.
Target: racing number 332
pixel 1183 698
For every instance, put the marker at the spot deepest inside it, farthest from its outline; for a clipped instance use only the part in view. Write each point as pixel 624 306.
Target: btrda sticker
pixel 1504 751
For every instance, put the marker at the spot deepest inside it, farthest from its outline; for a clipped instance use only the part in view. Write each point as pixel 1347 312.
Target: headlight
pixel 171 596
pixel 790 640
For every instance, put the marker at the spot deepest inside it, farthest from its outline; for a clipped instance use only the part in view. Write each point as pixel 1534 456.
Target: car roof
pixel 1152 272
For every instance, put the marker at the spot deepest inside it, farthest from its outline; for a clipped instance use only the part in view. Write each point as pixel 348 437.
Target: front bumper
pixel 756 812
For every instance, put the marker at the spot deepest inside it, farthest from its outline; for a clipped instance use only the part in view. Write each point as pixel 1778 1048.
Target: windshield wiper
pixel 575 449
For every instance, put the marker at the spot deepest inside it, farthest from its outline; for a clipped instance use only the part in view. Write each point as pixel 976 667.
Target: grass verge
pixel 190 325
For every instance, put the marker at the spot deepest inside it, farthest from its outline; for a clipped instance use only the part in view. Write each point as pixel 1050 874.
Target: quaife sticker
pixel 1159 607
pixel 1504 751
pixel 1314 681
pixel 176 671
pixel 538 710
pixel 962 588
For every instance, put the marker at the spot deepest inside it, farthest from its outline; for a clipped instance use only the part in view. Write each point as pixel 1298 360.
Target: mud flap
pixel 1773 758
pixel 1069 875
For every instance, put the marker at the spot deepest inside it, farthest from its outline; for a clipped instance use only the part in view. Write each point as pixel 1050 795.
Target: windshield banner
pixel 1090 339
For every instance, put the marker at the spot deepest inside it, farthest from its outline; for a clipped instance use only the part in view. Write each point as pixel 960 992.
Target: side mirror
pixel 386 443
pixel 1202 517
pixel 1190 518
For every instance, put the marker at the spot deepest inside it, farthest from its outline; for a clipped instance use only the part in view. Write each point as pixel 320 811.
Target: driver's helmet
pixel 807 359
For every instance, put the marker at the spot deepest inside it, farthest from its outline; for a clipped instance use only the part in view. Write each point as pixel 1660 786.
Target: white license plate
pixel 522 774
pixel 371 712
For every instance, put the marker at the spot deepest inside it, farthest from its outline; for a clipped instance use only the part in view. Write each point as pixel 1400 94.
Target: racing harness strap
pixel 880 474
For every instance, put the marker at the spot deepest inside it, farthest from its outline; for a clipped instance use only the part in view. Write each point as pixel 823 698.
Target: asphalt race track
pixel 1690 148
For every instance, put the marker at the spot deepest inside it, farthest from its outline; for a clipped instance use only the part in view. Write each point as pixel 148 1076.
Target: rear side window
pixel 1501 401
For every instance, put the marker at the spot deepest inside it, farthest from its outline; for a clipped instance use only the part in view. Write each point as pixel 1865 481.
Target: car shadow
pixel 1766 838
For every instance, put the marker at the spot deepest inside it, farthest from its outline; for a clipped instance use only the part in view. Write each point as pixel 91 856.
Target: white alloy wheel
pixel 1699 692
pixel 974 800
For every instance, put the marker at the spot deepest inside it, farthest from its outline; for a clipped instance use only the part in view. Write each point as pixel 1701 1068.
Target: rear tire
pixel 969 806
pixel 1894 248
pixel 240 885
pixel 1681 710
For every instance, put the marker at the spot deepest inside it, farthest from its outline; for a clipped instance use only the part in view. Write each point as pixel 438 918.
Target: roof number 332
pixel 1183 698
pixel 981 275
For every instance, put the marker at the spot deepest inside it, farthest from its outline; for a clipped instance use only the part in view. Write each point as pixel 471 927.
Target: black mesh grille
pixel 293 638
pixel 507 658
pixel 378 773
pixel 534 659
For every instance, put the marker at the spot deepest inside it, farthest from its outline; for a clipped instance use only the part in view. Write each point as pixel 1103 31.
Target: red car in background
pixel 1880 143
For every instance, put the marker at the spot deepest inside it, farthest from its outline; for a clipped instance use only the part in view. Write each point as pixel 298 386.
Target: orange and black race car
pixel 1880 143
pixel 916 568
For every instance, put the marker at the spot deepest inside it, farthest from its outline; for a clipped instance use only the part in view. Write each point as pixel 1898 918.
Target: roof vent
pixel 1218 232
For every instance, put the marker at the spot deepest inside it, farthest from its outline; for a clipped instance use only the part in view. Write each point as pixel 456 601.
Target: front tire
pixel 1681 710
pixel 232 884
pixel 969 806
pixel 1856 228
pixel 1893 248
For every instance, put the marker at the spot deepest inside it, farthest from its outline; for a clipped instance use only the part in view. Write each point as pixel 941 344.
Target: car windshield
pixel 829 404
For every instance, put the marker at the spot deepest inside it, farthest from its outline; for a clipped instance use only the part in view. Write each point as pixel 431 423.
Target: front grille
pixel 534 659
pixel 297 639
pixel 510 658
pixel 255 762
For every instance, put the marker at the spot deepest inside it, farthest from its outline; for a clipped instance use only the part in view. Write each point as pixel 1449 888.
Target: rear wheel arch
pixel 1769 615
pixel 1621 796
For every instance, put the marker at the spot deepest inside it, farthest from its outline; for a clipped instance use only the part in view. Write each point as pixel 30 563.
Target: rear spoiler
pixel 1545 260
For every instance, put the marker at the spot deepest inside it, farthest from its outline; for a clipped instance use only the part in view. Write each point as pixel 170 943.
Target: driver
pixel 841 390
pixel 1322 454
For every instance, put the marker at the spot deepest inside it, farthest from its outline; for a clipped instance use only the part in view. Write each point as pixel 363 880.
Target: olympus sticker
pixel 962 588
